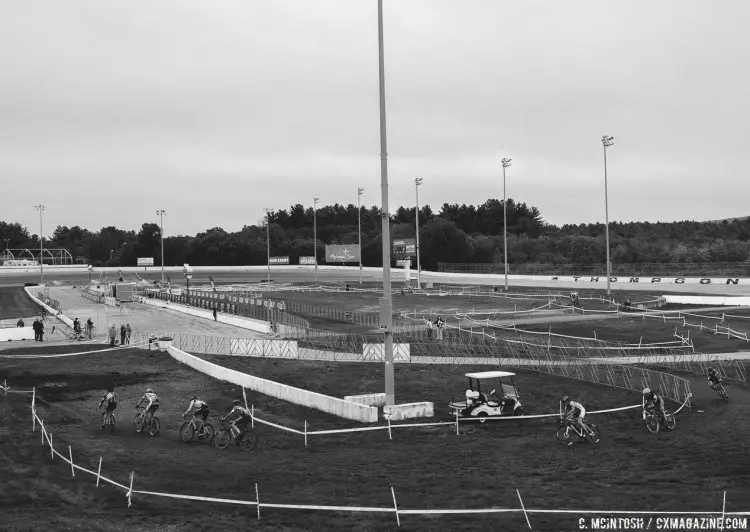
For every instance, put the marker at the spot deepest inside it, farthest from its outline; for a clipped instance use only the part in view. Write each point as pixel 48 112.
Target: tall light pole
pixel 506 164
pixel 386 304
pixel 360 191
pixel 417 182
pixel 606 142
pixel 41 209
pixel 315 234
pixel 268 240
pixel 161 213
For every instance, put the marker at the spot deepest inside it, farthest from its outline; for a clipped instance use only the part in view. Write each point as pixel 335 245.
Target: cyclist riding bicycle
pixel 153 404
pixel 652 400
pixel 199 410
pixel 241 415
pixel 575 412
pixel 714 379
pixel 77 326
pixel 111 404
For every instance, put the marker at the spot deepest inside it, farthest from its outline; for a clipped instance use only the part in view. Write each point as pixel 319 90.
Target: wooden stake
pixel 457 423
pixel 130 491
pixel 305 433
pixel 72 469
pixel 390 436
pixel 33 409
pixel 252 416
pixel 51 449
pixel 524 509
pixel 395 506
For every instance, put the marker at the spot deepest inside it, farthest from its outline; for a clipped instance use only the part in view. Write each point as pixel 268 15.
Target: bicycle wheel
pixel 248 440
pixel 596 434
pixel 154 426
pixel 565 435
pixel 137 423
pixel 187 431
pixel 723 393
pixel 652 423
pixel 222 439
pixel 208 432
pixel 670 422
pixel 111 423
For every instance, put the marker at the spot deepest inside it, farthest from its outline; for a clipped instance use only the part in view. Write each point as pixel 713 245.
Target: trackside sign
pixel 662 280
pixel 278 260
pixel 348 253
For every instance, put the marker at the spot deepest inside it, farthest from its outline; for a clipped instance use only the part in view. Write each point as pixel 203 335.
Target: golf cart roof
pixel 489 374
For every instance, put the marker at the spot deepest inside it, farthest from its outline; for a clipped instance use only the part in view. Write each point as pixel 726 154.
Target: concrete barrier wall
pixel 297 396
pixel 238 321
pixel 370 399
pixel 16 334
pixel 708 300
pixel 52 312
pixel 408 411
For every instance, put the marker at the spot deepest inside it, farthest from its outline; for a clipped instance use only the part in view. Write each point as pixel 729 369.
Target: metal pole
pixel 417 182
pixel 607 141
pixel 315 235
pixel 386 305
pixel 161 213
pixel 268 242
pixel 41 208
pixel 360 190
pixel 506 163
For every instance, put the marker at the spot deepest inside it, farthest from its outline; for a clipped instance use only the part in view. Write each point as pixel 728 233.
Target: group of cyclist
pixel 238 417
pixel 575 412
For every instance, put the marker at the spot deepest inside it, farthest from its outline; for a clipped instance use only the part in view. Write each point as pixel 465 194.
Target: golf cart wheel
pixel 482 417
pixel 652 423
pixel 565 435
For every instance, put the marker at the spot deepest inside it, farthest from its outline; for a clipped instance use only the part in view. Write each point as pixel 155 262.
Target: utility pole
pixel 315 234
pixel 417 182
pixel 386 304
pixel 360 190
pixel 607 142
pixel 161 213
pixel 41 209
pixel 506 164
pixel 268 240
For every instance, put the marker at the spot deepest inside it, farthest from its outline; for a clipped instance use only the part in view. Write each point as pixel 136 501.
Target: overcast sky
pixel 215 109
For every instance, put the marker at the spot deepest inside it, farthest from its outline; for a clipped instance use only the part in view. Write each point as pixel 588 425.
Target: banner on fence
pixel 278 260
pixel 145 261
pixel 348 253
pixel 307 260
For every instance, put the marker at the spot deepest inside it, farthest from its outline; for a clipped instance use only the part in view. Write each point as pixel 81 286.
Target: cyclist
pixel 77 328
pixel 111 402
pixel 575 412
pixel 652 400
pixel 714 379
pixel 153 404
pixel 200 410
pixel 241 417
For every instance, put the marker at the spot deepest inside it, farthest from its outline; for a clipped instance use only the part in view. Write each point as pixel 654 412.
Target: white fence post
pixel 41 426
pixel 457 423
pixel 252 416
pixel 130 491
pixel 51 449
pixel 390 436
pixel 33 409
pixel 72 468
pixel 99 472
pixel 524 509
pixel 257 500
pixel 395 507
pixel 305 433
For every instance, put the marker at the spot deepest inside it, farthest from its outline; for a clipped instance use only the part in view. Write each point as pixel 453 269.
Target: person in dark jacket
pixel 123 331
pixel 35 326
pixel 20 322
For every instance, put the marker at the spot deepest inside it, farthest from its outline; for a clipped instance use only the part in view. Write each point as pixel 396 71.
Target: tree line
pixel 456 234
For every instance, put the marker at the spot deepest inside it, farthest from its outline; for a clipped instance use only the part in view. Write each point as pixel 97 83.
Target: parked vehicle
pixel 482 400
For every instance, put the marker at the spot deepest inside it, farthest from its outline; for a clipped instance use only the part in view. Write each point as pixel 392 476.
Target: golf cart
pixel 483 401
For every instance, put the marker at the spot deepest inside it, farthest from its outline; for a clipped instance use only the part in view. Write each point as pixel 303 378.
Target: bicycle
pixel 653 420
pixel 190 428
pixel 229 432
pixel 567 430
pixel 139 419
pixel 75 336
pixel 719 388
pixel 109 423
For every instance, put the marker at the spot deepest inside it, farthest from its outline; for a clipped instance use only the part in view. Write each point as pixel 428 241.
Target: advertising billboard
pixel 279 260
pixel 404 247
pixel 348 253
pixel 145 261
pixel 307 260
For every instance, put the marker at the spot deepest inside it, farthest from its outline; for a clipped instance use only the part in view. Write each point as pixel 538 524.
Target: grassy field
pixel 15 304
pixel 429 468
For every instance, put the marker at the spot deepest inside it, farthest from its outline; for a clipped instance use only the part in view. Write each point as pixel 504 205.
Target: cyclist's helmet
pixel 565 399
pixel 149 390
pixel 646 391
pixel 236 402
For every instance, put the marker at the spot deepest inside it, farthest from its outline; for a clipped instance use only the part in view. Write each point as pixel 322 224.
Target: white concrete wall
pixel 708 300
pixel 297 396
pixel 370 399
pixel 238 321
pixel 16 334
pixel 31 291
pixel 408 411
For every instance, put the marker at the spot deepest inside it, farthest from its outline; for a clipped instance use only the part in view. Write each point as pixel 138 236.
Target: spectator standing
pixel 41 331
pixel 128 332
pixel 439 323
pixel 35 326
pixel 89 328
pixel 20 322
pixel 215 313
pixel 429 329
pixel 112 335
pixel 123 331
